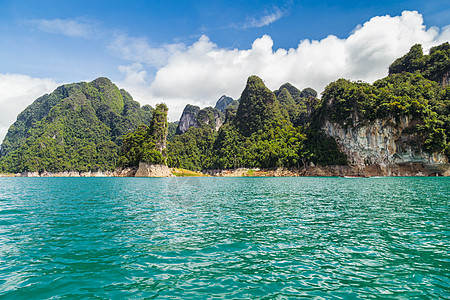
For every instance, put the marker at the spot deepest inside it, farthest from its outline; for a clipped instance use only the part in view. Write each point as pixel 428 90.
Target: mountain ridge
pixel 401 119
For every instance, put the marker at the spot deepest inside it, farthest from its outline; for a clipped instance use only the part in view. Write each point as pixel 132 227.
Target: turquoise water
pixel 199 238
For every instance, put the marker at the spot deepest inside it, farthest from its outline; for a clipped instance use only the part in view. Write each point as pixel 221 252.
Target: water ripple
pixel 266 238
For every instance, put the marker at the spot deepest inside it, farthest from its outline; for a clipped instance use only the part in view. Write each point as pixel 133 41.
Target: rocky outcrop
pixel 209 117
pixel 29 174
pixel 382 144
pixel 223 103
pixel 125 172
pixel 333 170
pixel 144 170
pixel 160 128
pixel 188 118
pixel 66 174
pixel 193 116
pixel 218 119
pixel 147 170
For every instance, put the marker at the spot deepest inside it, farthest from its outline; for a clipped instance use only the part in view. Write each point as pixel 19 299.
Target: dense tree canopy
pixel 434 66
pixel 96 126
pixel 78 127
pixel 147 143
pixel 259 133
pixel 413 90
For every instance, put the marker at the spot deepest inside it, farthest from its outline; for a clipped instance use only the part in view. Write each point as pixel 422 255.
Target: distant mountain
pixel 223 103
pixel 193 116
pixel 296 105
pixel 78 127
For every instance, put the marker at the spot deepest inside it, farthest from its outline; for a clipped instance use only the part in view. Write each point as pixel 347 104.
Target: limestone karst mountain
pixel 78 127
pixel 402 120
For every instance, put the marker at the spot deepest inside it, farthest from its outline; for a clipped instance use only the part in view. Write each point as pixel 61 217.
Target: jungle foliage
pixel 96 126
pixel 78 127
pixel 147 143
pixel 408 92
pixel 259 133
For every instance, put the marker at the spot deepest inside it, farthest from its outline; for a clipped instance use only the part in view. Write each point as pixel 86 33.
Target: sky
pixel 181 52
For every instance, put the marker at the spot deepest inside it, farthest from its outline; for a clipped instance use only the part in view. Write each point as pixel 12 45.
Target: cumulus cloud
pixel 201 73
pixel 139 50
pixel 79 28
pixel 267 19
pixel 17 91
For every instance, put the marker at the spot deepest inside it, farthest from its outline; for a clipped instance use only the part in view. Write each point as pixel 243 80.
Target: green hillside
pixel 96 126
pixel 78 127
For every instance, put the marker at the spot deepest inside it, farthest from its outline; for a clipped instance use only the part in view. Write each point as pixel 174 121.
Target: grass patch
pixel 186 173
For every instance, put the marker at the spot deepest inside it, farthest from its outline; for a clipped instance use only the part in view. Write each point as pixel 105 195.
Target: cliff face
pixel 188 118
pixel 380 143
pixel 223 103
pixel 193 116
pixel 150 170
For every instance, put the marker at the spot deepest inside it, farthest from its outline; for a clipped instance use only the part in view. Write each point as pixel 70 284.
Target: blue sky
pixel 184 52
pixel 38 52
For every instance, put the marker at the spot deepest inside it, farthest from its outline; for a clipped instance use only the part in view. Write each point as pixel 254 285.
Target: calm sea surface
pixel 227 238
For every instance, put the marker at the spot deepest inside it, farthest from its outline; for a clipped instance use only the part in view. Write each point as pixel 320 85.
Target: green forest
pixel 78 127
pixel 283 128
pixel 95 126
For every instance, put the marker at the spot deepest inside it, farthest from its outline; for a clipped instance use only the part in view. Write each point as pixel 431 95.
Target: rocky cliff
pixel 150 170
pixel 223 103
pixel 193 116
pixel 385 145
pixel 188 118
pixel 213 117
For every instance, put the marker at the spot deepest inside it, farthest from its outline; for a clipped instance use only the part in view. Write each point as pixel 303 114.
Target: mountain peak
pixel 258 107
pixel 223 103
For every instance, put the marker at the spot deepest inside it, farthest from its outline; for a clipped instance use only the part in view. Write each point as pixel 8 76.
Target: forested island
pixel 399 125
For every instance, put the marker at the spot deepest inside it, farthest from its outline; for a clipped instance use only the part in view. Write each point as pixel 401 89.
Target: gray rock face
pixel 146 170
pixel 223 103
pixel 380 143
pixel 445 79
pixel 218 120
pixel 188 118
pixel 66 174
pixel 193 116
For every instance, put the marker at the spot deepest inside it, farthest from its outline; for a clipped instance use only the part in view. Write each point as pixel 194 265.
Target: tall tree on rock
pixel 160 128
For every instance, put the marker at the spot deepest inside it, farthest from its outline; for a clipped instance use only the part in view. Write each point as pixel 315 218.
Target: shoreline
pixel 408 170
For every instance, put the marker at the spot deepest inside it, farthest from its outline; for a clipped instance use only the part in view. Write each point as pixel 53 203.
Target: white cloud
pixel 69 27
pixel 264 20
pixel 17 91
pixel 202 72
pixel 139 50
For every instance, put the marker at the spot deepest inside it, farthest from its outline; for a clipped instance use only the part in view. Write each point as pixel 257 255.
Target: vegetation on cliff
pixel 78 127
pixel 259 133
pixel 413 90
pixel 434 66
pixel 147 143
pixel 96 126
